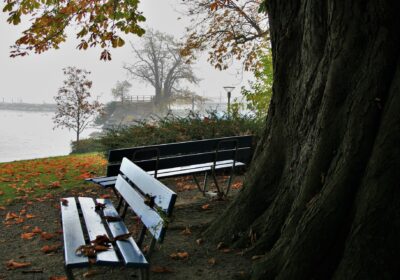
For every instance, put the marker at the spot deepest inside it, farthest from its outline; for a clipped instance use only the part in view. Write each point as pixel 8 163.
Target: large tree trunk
pixel 322 197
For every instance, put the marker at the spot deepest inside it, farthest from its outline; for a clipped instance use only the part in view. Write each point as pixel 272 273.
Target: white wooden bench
pixel 86 219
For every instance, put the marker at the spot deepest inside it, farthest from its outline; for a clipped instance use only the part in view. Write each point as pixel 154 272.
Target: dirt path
pixel 22 219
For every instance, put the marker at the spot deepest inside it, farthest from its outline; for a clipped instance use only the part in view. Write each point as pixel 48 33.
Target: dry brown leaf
pixel 123 236
pixel 160 269
pixel 105 196
pixel 212 261
pixel 26 227
pixel 101 240
pixel 19 220
pixel 37 230
pixel 227 250
pixel 11 264
pixel 47 235
pixel 205 206
pixel 27 235
pixel 49 248
pixel 179 255
pixel 186 231
pixel 30 216
pixel 91 273
pixel 221 245
pixel 58 278
pixel 2 208
pixel 10 216
pixel 112 218
pixel 64 201
pixel 101 248
pixel 86 250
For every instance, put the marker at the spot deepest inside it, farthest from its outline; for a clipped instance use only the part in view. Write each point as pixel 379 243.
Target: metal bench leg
pixel 204 188
pixel 68 273
pixel 230 179
pixel 220 192
pixel 144 273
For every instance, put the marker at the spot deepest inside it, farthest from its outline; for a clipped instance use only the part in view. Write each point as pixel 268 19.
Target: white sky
pixel 36 78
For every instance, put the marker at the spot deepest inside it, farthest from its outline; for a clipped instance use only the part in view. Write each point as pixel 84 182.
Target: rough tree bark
pixel 322 197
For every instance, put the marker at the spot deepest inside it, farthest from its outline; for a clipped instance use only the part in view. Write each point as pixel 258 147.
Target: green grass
pixel 37 178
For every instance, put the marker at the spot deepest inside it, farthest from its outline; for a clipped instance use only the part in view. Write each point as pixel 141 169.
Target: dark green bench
pixel 184 158
pixel 85 219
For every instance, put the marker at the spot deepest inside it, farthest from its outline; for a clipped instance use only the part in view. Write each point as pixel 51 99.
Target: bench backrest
pixel 151 200
pixel 183 153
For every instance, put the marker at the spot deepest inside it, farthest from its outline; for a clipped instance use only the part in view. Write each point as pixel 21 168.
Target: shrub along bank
pixel 170 129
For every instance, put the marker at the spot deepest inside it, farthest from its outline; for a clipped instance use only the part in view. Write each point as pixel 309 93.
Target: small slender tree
pixel 75 109
pixel 121 90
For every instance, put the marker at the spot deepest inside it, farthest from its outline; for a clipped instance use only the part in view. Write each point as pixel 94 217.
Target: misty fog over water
pixel 28 135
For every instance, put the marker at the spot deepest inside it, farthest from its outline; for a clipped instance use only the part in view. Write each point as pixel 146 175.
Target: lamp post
pixel 229 90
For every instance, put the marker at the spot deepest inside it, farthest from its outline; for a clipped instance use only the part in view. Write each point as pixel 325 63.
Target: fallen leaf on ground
pixel 227 250
pixel 199 241
pixel 11 264
pixel 179 255
pixel 221 245
pixel 28 235
pixel 10 216
pixel 205 206
pixel 49 248
pixel 105 196
pixel 37 230
pixel 186 231
pixel 91 273
pixel 55 184
pixel 47 235
pixel 160 269
pixel 212 261
pixel 2 208
pixel 30 216
pixel 58 278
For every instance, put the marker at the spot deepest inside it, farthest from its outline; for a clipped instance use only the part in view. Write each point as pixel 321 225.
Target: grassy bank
pixel 20 180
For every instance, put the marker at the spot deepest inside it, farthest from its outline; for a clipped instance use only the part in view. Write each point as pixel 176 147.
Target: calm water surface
pixel 28 135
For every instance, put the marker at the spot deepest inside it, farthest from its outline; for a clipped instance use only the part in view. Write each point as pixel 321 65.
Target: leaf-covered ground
pixel 31 236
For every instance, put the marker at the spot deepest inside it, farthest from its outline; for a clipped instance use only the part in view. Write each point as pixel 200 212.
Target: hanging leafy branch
pixel 228 29
pixel 99 23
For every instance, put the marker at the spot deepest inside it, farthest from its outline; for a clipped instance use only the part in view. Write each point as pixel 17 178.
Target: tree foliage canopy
pixel 99 23
pixel 228 30
pixel 160 64
pixel 121 90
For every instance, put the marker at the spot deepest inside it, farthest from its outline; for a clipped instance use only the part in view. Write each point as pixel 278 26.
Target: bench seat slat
pixel 243 155
pixel 129 250
pixel 150 218
pixel 96 227
pixel 73 234
pixel 179 171
pixel 165 198
pixel 100 179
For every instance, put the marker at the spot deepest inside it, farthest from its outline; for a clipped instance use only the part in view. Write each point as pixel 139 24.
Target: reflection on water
pixel 28 135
